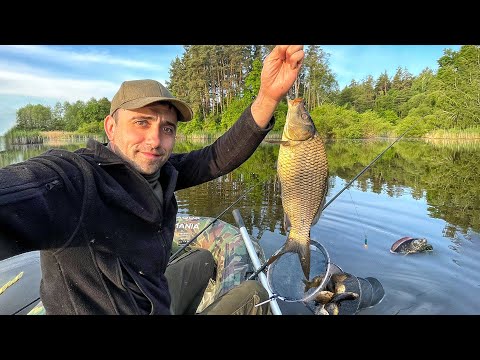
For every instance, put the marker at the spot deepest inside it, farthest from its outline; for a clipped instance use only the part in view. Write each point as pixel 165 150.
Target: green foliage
pixel 319 83
pixel 252 81
pixel 58 122
pixel 34 117
pixel 459 81
pixel 373 125
pixel 72 116
pixel 280 115
pixel 95 127
pixel 419 123
pixel 194 125
pixel 212 123
pixel 331 120
pixel 389 116
pixel 353 131
pixel 81 116
pixel 233 112
pixel 95 110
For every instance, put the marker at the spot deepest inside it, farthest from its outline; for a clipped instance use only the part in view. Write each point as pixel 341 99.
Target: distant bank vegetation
pixel 220 81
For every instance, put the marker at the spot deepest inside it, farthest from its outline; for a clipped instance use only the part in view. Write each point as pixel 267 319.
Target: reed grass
pixel 22 137
pixel 27 137
pixel 467 134
pixel 199 136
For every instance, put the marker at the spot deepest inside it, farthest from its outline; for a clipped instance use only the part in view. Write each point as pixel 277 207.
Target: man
pixel 104 216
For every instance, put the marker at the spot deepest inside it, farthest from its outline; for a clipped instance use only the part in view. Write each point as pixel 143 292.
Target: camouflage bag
pixel 225 243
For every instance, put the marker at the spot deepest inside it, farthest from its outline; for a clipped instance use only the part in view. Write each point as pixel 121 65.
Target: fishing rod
pixel 261 268
pixel 174 256
pixel 31 303
pixel 369 165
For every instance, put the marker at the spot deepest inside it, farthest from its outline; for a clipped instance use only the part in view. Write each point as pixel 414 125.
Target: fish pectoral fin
pixel 286 222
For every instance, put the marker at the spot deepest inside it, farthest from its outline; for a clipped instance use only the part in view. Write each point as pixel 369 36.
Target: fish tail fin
pixel 303 251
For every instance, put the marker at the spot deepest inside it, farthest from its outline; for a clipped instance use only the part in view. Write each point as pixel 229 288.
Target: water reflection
pixel 419 189
pixel 445 177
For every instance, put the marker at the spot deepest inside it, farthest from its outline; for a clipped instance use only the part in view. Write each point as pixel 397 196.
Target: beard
pixel 142 164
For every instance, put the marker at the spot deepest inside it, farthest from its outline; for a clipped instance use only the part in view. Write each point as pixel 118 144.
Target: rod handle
pixel 238 218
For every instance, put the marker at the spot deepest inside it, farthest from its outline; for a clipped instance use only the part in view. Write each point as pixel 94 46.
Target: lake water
pixel 416 189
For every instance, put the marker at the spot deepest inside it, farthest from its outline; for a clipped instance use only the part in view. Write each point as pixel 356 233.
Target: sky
pixel 47 74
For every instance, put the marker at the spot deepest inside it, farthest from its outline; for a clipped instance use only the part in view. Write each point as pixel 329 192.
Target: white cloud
pixel 86 56
pixel 27 84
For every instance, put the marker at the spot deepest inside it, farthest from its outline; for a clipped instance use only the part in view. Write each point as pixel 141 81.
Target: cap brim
pixel 186 112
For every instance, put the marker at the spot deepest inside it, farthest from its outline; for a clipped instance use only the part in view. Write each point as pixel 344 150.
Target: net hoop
pixel 287 285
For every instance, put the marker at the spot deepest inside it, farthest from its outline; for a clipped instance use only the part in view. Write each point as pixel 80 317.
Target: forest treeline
pixel 220 81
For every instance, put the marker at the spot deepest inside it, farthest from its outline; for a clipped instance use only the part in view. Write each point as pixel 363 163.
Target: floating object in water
pixel 409 245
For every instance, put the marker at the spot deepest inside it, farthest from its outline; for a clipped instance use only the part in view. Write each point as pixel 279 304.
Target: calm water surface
pixel 416 189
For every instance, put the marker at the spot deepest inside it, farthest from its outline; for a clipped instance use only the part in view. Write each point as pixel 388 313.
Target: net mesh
pixel 329 289
pixel 286 278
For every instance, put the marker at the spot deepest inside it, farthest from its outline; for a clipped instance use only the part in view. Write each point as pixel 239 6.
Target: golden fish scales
pixel 302 168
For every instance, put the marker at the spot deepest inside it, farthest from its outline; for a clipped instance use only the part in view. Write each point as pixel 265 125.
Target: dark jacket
pixel 98 223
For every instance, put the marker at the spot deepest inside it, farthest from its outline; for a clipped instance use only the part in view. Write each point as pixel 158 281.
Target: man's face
pixel 144 137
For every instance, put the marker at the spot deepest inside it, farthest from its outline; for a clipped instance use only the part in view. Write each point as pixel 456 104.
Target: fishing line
pixel 24 307
pixel 365 244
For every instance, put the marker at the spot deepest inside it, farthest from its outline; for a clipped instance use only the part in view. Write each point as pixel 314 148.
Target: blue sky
pixel 39 74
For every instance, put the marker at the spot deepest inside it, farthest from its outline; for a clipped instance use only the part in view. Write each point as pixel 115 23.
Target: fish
pixel 302 169
pixel 336 284
pixel 324 297
pixel 320 310
pixel 350 295
pixel 314 283
pixel 331 305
